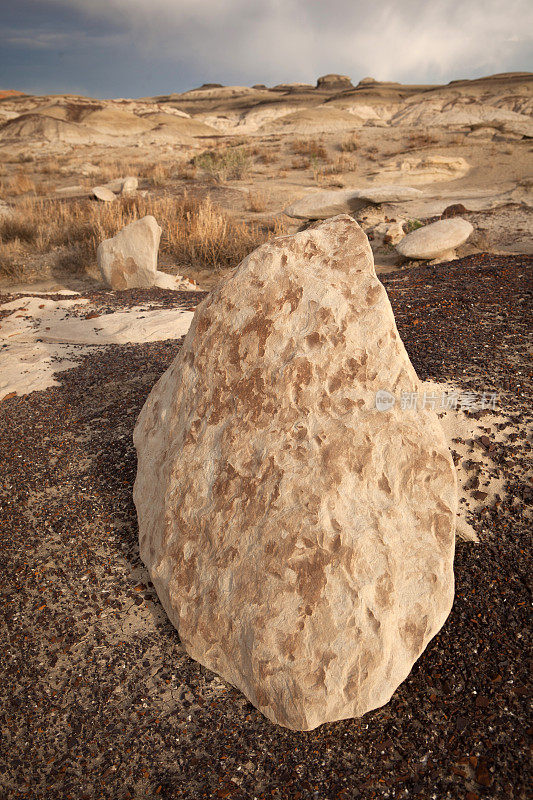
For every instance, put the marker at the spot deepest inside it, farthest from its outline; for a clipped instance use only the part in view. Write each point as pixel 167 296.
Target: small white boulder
pixel 103 193
pixel 435 240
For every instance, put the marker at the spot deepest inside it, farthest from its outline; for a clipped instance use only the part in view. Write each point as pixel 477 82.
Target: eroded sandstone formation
pixel 300 539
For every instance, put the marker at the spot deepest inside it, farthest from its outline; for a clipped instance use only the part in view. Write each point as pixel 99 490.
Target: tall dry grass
pixel 196 233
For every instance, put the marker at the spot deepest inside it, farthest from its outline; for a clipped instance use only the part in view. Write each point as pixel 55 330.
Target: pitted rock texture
pixel 129 259
pixel 300 540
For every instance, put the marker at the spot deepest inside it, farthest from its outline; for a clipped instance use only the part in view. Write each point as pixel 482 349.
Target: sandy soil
pixel 99 698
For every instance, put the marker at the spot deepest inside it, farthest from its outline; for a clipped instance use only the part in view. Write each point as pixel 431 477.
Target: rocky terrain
pixel 99 696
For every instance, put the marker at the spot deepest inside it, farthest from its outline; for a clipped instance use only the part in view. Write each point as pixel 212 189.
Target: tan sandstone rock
pixel 330 203
pixel 300 539
pixel 103 193
pixel 436 240
pixel 129 259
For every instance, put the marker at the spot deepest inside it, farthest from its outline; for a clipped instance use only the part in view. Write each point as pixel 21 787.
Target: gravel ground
pixel 99 699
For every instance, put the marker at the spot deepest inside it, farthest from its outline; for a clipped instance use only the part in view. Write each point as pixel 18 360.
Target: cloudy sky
pixel 131 48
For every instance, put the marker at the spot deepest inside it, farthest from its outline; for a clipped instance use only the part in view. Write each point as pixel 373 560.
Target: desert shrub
pixel 17 184
pixel 341 164
pixel 257 201
pixel 228 164
pixel 310 148
pixel 349 145
pixel 300 163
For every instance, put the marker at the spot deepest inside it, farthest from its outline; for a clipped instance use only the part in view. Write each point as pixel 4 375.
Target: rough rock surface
pixel 130 185
pixel 129 259
pixel 299 539
pixel 389 194
pixel 323 205
pixel 433 240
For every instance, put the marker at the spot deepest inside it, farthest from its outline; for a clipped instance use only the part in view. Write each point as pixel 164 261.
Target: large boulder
pixel 437 240
pixel 326 204
pixel 300 539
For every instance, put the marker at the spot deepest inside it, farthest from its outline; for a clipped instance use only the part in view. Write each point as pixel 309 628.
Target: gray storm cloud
pixel 298 39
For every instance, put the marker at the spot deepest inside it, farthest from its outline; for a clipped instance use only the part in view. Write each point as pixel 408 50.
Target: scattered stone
pixel 427 169
pixel 129 259
pixel 389 194
pixel 103 193
pixel 5 210
pixel 87 169
pixel 130 185
pixel 323 205
pixel 455 210
pixel 300 539
pixel 437 240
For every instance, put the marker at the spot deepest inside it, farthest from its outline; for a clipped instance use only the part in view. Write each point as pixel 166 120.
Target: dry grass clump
pixel 210 238
pixel 300 163
pixel 17 184
pixel 263 155
pixel 311 148
pixel 257 201
pixel 228 164
pixel 196 232
pixel 339 165
pixel 349 145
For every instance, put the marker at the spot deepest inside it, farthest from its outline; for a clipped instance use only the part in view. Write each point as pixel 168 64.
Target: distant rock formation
pixel 334 82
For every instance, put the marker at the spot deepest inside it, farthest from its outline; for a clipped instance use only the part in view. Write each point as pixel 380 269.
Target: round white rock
pixel 434 239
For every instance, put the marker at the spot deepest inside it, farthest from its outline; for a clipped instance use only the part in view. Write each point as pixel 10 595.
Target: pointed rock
pixel 300 539
pixel 129 259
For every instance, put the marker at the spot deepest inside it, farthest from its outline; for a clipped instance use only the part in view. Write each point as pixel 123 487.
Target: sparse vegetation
pixel 196 232
pixel 300 163
pixel 18 184
pixel 349 145
pixel 412 225
pixel 257 201
pixel 232 163
pixel 310 148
